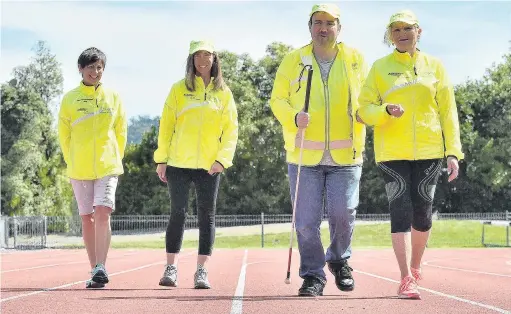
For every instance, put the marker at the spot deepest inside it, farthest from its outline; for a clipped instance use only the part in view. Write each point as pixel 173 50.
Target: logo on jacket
pixel 82 110
pixel 192 96
pixel 106 110
pixel 354 66
pixel 395 74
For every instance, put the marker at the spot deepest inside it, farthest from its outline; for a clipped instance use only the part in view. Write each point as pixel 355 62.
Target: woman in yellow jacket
pixel 196 142
pixel 92 133
pixel 408 99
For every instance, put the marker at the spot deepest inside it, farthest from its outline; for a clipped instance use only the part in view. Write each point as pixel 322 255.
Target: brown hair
pixel 216 72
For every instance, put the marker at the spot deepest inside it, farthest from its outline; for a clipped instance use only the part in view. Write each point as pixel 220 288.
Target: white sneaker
pixel 169 278
pixel 201 278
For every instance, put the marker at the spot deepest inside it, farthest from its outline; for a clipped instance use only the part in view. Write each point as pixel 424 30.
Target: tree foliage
pixel 138 126
pixel 33 180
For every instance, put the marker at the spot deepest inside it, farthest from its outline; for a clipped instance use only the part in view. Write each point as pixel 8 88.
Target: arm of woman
pixel 229 136
pixel 448 114
pixel 166 128
pixel 64 131
pixel 372 111
pixel 121 128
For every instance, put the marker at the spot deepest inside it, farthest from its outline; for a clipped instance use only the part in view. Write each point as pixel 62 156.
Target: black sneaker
pixel 99 274
pixel 91 284
pixel 311 287
pixel 342 272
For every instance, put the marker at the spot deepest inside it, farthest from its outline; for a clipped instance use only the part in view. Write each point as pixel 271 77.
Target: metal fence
pixel 38 232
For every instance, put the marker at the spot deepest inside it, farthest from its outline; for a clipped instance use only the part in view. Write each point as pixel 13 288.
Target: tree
pixel 138 126
pixel 33 180
pixel 257 182
pixel 140 191
pixel 485 115
pixel 43 75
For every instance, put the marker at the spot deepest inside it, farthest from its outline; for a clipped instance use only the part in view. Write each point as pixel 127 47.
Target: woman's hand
pixel 452 168
pixel 161 171
pixel 216 168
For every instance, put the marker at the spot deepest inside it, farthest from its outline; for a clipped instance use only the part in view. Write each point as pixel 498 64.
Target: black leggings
pixel 206 187
pixel 410 187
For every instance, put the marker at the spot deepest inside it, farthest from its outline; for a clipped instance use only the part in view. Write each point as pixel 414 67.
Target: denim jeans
pixel 335 189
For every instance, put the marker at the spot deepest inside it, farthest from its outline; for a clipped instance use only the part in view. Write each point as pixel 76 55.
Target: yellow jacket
pixel 92 132
pixel 197 128
pixel 429 126
pixel 332 106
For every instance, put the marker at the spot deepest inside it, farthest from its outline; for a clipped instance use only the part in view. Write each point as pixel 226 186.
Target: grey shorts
pixel 92 193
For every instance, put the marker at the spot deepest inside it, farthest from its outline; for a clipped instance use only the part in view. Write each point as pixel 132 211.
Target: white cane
pixel 306 108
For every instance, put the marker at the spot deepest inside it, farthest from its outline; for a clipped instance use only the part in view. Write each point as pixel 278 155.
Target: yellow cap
pixel 196 45
pixel 405 16
pixel 329 8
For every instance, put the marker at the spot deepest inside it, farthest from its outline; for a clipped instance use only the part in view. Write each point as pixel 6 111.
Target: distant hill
pixel 138 125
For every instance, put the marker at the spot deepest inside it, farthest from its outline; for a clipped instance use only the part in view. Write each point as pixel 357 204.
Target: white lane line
pixel 82 281
pixel 58 264
pixel 466 270
pixel 37 257
pixel 42 266
pixel 75 283
pixel 237 302
pixel 445 295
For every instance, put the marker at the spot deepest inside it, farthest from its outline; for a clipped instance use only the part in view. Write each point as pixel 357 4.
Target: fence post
pixel 7 231
pixel 45 231
pixel 482 235
pixel 507 235
pixel 14 225
pixel 3 231
pixel 262 229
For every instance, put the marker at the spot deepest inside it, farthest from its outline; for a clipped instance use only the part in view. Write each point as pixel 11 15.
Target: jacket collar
pixel 405 57
pixel 200 83
pixel 90 90
pixel 307 56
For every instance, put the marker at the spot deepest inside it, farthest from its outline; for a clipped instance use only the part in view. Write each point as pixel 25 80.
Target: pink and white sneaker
pixel 408 289
pixel 416 273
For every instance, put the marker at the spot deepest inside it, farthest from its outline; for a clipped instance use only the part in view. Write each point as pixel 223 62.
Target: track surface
pixel 251 281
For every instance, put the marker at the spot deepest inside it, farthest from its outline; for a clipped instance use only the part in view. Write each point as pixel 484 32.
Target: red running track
pixel 251 281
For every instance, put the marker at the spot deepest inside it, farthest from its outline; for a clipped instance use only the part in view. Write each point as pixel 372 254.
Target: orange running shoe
pixel 408 289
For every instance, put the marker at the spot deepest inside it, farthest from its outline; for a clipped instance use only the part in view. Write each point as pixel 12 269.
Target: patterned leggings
pixel 410 187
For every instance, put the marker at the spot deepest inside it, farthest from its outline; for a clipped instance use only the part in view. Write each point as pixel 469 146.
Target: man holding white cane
pixel 328 158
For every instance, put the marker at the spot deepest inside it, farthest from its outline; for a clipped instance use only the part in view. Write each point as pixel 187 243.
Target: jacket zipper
pixel 327 114
pixel 200 130
pixel 413 121
pixel 94 136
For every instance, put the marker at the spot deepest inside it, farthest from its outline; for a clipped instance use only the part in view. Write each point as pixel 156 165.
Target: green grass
pixel 445 234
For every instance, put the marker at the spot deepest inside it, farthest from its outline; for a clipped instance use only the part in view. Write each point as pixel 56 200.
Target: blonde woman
pixel 408 99
pixel 196 142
